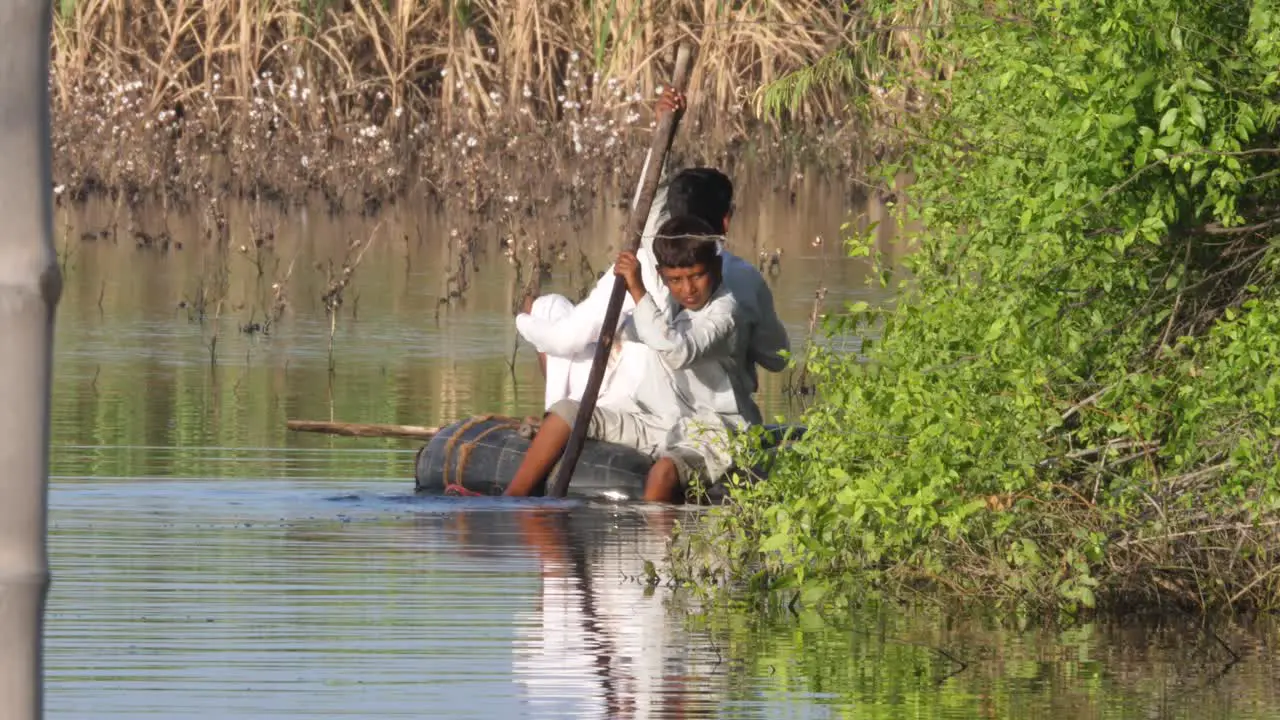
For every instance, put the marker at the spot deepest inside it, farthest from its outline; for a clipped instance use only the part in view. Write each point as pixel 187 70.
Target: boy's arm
pixel 769 339
pixel 707 335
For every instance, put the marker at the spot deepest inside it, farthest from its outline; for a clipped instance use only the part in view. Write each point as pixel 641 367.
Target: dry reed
pixel 355 99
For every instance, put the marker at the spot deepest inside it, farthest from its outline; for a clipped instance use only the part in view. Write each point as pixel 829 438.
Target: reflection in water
pixel 135 366
pixel 277 597
pixel 208 564
pixel 597 643
pixel 22 606
pixel 282 598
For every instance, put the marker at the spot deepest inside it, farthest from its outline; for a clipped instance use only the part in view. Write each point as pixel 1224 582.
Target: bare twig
pixel 1237 527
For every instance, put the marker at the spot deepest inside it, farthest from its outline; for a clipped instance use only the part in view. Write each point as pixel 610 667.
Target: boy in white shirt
pixel 691 390
pixel 565 334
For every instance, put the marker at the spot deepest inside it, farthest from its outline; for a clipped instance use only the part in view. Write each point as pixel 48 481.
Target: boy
pixel 689 391
pixel 566 335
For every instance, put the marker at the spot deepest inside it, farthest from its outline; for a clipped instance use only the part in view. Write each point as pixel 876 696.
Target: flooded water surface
pixel 208 563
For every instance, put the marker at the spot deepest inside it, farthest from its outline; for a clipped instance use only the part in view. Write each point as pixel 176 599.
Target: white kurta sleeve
pixel 575 332
pixel 568 336
pixel 707 332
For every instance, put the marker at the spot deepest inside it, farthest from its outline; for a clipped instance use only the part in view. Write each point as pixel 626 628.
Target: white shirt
pixel 566 376
pixel 765 337
pixel 695 360
pixel 576 332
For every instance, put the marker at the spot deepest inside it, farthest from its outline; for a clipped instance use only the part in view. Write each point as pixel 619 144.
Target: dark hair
pixel 684 241
pixel 702 192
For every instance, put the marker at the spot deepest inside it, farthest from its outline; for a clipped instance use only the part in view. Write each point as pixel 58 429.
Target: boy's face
pixel 690 286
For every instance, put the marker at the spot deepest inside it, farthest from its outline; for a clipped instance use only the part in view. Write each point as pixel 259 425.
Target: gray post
pixel 30 284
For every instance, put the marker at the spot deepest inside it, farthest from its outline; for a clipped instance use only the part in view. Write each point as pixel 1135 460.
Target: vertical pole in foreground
pixel 30 285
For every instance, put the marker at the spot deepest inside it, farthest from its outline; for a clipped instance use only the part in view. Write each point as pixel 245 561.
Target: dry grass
pixel 356 98
pixel 472 59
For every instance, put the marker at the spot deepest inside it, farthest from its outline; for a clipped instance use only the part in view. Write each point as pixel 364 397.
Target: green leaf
pixel 995 329
pixel 774 543
pixel 1167 119
pixel 1201 85
pixel 1115 120
pixel 1196 111
pixel 846 496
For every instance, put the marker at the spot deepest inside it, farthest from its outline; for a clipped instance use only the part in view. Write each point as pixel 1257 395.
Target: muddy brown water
pixel 208 563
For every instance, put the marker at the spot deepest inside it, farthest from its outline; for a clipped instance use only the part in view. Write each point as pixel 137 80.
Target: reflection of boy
pixel 595 645
pixel 690 390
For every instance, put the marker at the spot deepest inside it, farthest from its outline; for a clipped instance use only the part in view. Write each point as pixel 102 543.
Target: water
pixel 210 564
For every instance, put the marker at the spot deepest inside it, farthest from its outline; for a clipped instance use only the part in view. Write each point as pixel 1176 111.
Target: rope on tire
pixel 463 449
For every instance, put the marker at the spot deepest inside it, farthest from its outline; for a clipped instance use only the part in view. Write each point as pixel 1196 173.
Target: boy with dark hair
pixel 567 333
pixel 708 194
pixel 687 396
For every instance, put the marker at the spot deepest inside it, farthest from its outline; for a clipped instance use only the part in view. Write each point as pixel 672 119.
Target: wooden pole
pixel 363 429
pixel 654 160
pixel 30 285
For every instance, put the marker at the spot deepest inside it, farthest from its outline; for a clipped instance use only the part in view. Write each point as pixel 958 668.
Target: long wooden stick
pixel 662 137
pixel 363 429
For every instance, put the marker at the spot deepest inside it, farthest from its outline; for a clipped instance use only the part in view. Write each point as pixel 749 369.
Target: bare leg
pixel 663 483
pixel 542 455
pixel 542 364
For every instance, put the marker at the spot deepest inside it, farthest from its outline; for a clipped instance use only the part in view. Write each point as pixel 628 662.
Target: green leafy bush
pixel 1075 400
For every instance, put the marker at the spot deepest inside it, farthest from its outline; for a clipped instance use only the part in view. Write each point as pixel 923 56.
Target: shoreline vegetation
pixel 482 104
pixel 1075 406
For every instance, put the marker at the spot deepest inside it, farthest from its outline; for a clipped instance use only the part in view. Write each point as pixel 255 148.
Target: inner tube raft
pixel 480 456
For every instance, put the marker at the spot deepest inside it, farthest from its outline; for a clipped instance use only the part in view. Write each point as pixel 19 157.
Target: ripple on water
pixel 284 597
pixel 210 564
